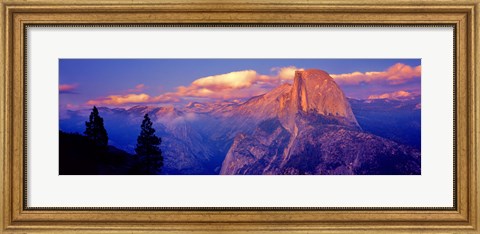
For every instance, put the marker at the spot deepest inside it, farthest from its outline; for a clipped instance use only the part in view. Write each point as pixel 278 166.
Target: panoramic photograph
pixel 240 117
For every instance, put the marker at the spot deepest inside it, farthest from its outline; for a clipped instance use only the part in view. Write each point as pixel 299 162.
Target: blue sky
pixel 123 82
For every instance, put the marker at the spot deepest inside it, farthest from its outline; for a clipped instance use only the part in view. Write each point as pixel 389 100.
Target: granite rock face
pixel 322 149
pixel 315 92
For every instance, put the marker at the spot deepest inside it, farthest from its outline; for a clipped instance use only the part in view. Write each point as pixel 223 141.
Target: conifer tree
pixel 95 131
pixel 147 149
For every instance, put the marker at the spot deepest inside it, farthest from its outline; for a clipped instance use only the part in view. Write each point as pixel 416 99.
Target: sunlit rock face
pixel 314 91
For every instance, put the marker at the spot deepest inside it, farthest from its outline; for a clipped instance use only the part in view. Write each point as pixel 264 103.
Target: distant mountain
pixel 186 149
pixel 308 127
pixel 395 119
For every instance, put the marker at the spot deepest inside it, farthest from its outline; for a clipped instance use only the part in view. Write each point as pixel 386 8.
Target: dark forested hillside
pixel 79 156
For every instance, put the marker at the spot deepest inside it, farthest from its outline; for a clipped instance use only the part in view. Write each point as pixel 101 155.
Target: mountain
pixel 315 132
pixel 314 91
pixel 307 127
pixel 308 94
pixel 322 149
pixel 394 119
pixel 186 148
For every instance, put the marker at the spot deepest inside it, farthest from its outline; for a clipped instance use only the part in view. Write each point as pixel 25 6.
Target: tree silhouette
pixel 148 151
pixel 95 131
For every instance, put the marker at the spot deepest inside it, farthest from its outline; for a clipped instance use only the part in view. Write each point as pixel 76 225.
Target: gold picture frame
pixel 464 15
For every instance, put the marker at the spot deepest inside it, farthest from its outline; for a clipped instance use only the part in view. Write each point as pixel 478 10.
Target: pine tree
pixel 95 131
pixel 147 149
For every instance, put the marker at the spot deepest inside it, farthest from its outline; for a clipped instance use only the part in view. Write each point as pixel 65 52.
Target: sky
pixel 128 82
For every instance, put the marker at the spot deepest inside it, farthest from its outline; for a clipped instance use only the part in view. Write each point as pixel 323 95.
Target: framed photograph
pixel 243 116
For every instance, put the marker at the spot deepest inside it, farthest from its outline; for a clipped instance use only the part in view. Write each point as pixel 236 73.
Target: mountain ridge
pixel 202 137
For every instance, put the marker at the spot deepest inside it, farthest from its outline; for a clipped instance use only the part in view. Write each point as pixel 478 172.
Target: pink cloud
pixel 395 95
pixel 232 80
pixel 248 83
pixel 232 85
pixel 286 73
pixel 237 84
pixel 222 93
pixel 138 88
pixel 119 100
pixel 66 88
pixel 397 74
pixel 71 106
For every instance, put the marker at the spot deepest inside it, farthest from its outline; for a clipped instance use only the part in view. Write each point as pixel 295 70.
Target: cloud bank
pixel 119 100
pixel 401 94
pixel 248 83
pixel 232 85
pixel 394 75
pixel 67 88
